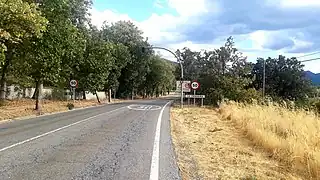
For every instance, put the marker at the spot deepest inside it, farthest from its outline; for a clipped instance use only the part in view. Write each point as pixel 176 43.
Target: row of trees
pixel 226 73
pixel 49 42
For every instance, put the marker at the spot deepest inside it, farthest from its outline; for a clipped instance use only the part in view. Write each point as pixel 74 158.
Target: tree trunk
pixel 84 95
pixel 24 93
pixel 39 96
pixel 114 94
pixel 97 97
pixel 109 95
pixel 132 94
pixel 3 87
pixel 35 91
pixel 4 68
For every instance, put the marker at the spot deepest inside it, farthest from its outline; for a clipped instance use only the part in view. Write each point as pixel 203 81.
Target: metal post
pixel 201 102
pixel 194 98
pixel 181 67
pixel 188 101
pixel 74 95
pixel 181 99
pixel 264 79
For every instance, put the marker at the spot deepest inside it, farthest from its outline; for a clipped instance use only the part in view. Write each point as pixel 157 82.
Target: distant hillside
pixel 315 78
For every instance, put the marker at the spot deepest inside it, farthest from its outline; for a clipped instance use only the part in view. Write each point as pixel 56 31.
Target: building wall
pixel 15 92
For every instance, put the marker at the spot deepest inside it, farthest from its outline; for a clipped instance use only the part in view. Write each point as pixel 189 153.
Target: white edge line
pixel 53 131
pixel 154 171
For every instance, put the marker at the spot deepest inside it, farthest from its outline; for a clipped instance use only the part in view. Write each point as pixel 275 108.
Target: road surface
pixel 116 141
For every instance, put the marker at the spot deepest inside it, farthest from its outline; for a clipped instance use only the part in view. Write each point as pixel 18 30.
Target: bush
pixel 58 94
pixel 317 106
pixel 70 106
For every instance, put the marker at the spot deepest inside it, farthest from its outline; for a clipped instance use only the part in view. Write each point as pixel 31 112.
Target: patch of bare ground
pixel 210 147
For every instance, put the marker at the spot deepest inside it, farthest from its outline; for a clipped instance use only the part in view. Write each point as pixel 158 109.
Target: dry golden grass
pixel 25 107
pixel 291 137
pixel 209 147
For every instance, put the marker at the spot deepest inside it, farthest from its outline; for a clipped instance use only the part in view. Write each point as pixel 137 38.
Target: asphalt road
pixel 117 141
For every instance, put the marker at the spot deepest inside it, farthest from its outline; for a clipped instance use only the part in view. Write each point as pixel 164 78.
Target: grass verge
pixel 211 147
pixel 290 137
pixel 25 107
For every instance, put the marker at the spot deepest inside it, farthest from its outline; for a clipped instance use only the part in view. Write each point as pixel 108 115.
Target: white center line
pixel 59 129
pixel 154 171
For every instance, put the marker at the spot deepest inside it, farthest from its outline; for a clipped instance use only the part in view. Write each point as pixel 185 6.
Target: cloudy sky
pixel 261 28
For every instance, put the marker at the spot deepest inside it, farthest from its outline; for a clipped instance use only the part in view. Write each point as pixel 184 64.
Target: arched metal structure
pixel 181 67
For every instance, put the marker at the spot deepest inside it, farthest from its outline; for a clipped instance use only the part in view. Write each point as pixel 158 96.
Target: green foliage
pixel 225 74
pixel 284 78
pixel 19 20
pixel 53 42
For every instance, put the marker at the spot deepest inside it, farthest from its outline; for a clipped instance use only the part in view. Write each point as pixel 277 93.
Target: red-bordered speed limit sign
pixel 73 83
pixel 195 85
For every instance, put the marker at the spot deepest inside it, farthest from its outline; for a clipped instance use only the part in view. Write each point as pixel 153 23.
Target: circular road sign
pixel 73 83
pixel 195 85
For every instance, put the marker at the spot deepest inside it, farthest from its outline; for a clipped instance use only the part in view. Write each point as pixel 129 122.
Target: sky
pixel 260 28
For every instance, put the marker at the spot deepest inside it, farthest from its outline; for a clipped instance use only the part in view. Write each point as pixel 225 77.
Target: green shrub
pixel 70 106
pixel 58 94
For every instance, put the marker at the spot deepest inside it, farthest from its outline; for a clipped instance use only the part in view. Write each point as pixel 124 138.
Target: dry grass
pixel 209 147
pixel 25 107
pixel 291 137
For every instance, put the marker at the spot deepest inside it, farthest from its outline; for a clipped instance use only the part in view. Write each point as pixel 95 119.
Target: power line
pixel 309 54
pixel 310 60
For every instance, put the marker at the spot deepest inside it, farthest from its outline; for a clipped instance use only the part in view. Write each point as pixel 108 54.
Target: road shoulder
pixel 209 147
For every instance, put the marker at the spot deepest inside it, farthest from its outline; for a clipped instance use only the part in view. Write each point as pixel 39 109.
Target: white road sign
pixel 195 96
pixel 185 85
pixel 195 85
pixel 73 83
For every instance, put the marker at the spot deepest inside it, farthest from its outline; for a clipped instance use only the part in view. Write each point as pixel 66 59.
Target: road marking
pixel 154 171
pixel 143 107
pixel 56 130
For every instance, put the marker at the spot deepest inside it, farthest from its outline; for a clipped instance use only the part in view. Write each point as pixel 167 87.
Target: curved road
pixel 128 140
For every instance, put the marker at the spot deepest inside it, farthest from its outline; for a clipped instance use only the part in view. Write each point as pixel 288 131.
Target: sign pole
pixel 74 94
pixel 194 99
pixel 181 103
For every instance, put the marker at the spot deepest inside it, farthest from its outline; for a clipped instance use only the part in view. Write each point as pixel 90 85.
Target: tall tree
pixel 60 43
pixel 19 20
pixel 133 75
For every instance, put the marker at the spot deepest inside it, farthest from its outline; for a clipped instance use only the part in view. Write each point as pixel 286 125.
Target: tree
pixel 121 56
pixel 160 78
pixel 19 20
pixel 133 75
pixel 60 44
pixel 284 78
pixel 222 72
pixel 94 70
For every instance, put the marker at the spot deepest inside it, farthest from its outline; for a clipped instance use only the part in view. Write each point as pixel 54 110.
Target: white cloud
pixel 299 3
pixel 188 8
pixel 165 30
pixel 258 38
pixel 98 17
pixel 161 28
